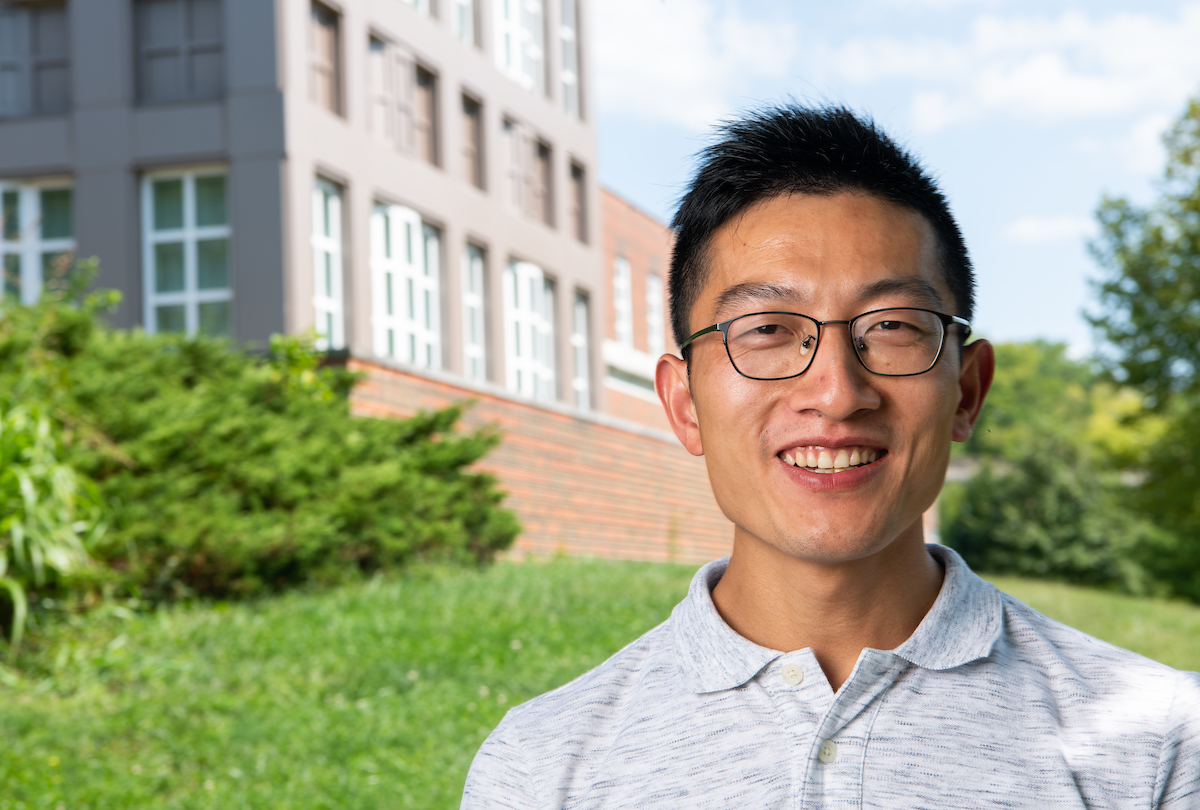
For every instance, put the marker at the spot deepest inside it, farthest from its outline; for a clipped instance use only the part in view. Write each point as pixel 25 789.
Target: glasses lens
pixel 898 341
pixel 772 345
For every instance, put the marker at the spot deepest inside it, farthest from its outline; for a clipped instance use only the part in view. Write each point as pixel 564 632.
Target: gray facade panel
pixel 179 133
pixel 106 226
pixel 101 52
pixel 255 197
pixel 256 124
pixel 33 146
pixel 103 138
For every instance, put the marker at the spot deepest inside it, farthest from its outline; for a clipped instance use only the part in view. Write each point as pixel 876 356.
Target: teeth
pixel 828 460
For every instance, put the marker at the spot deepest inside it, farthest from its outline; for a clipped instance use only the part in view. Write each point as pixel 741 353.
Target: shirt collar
pixel 962 626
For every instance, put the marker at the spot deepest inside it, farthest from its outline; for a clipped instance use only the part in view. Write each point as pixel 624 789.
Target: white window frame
pixel 569 75
pixel 529 332
pixel 655 325
pixel 623 300
pixel 581 380
pixel 521 41
pixel 328 301
pixel 29 245
pixel 474 297
pixel 462 17
pixel 190 234
pixel 405 286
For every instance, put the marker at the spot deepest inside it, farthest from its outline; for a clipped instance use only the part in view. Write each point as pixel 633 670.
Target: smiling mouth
pixel 819 459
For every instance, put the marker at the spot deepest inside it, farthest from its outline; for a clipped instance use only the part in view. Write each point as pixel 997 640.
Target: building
pixel 412 180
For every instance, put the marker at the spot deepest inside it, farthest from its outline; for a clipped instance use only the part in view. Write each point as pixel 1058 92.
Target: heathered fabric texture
pixel 988 704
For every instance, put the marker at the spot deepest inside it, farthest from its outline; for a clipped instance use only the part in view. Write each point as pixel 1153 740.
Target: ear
pixel 674 389
pixel 974 380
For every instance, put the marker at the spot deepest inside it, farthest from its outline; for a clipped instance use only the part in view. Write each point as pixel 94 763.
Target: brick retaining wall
pixel 581 484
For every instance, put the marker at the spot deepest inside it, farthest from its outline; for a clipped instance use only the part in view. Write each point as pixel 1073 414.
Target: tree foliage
pixel 223 473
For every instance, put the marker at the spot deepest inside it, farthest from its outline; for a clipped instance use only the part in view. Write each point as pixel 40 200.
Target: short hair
pixel 792 149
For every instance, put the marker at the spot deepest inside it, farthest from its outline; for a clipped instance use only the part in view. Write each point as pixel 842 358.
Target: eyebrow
pixel 753 293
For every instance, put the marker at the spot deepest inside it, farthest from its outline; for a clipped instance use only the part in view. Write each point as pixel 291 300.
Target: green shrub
pixel 227 474
pixel 49 514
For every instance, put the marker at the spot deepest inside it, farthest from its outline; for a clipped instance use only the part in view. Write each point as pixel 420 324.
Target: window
pixel 34 68
pixel 581 381
pixel 180 50
pixel 422 6
pixel 514 176
pixel 623 300
pixel 37 236
pixel 579 202
pixel 521 42
pixel 569 35
pixel 654 315
pixel 325 58
pixel 185 253
pixel 474 306
pixel 425 122
pixel 327 265
pixel 405 273
pixel 472 121
pixel 539 201
pixel 464 21
pixel 529 331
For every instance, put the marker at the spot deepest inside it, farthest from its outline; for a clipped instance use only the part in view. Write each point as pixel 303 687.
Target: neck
pixel 837 608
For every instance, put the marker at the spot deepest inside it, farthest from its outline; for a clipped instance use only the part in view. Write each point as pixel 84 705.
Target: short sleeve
pixel 1178 782
pixel 499 776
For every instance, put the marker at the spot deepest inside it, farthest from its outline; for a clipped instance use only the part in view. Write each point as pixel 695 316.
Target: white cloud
pixel 1042 68
pixel 686 62
pixel 1030 230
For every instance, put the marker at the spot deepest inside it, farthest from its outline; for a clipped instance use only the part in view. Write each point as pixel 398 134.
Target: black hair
pixel 792 149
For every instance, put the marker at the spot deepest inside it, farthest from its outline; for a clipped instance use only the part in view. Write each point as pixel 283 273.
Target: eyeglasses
pixel 893 342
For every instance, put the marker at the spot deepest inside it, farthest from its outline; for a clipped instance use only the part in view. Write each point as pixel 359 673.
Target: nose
pixel 836 385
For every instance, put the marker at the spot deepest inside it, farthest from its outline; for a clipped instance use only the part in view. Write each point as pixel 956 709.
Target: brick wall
pixel 581 484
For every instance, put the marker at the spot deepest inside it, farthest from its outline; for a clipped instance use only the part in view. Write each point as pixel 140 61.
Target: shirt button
pixel 792 674
pixel 827 753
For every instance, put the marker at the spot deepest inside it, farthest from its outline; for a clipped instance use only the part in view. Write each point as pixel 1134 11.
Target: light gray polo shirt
pixel 988 704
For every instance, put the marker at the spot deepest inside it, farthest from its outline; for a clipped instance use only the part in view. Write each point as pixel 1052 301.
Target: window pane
pixel 204 20
pixel 51 89
pixel 50 33
pixel 56 214
pixel 168 267
pixel 207 73
pixel 168 204
pixel 159 23
pixel 12 275
pixel 212 264
pixel 214 318
pixel 210 201
pixel 171 318
pixel 161 80
pixel 12 216
pixel 10 90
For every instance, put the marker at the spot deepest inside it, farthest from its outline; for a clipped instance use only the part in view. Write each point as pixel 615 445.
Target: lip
pixel 848 479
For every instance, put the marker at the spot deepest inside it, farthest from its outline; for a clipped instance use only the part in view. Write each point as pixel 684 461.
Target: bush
pixel 225 474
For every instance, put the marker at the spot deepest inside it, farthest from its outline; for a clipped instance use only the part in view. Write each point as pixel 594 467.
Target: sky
pixel 1029 114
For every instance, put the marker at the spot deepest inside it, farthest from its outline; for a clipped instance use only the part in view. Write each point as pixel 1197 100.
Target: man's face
pixel 831 258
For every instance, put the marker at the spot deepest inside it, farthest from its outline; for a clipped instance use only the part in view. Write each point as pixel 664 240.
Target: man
pixel 821 293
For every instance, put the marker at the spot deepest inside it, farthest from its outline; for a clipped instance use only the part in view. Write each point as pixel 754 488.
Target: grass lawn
pixel 375 695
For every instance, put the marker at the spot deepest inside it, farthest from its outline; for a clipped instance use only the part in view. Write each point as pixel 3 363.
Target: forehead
pixel 828 253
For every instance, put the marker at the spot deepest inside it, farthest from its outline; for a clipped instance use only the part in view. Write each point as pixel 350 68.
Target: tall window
pixel 426 118
pixel 325 58
pixel 529 331
pixel 579 202
pixel 539 178
pixel 329 316
pixel 472 139
pixel 464 21
pixel 405 272
pixel 37 237
pixel 654 315
pixel 623 300
pixel 581 373
pixel 474 307
pixel 34 67
pixel 569 35
pixel 180 50
pixel 185 252
pixel 521 41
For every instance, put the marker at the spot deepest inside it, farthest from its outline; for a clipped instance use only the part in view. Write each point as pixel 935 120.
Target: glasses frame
pixel 723 328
